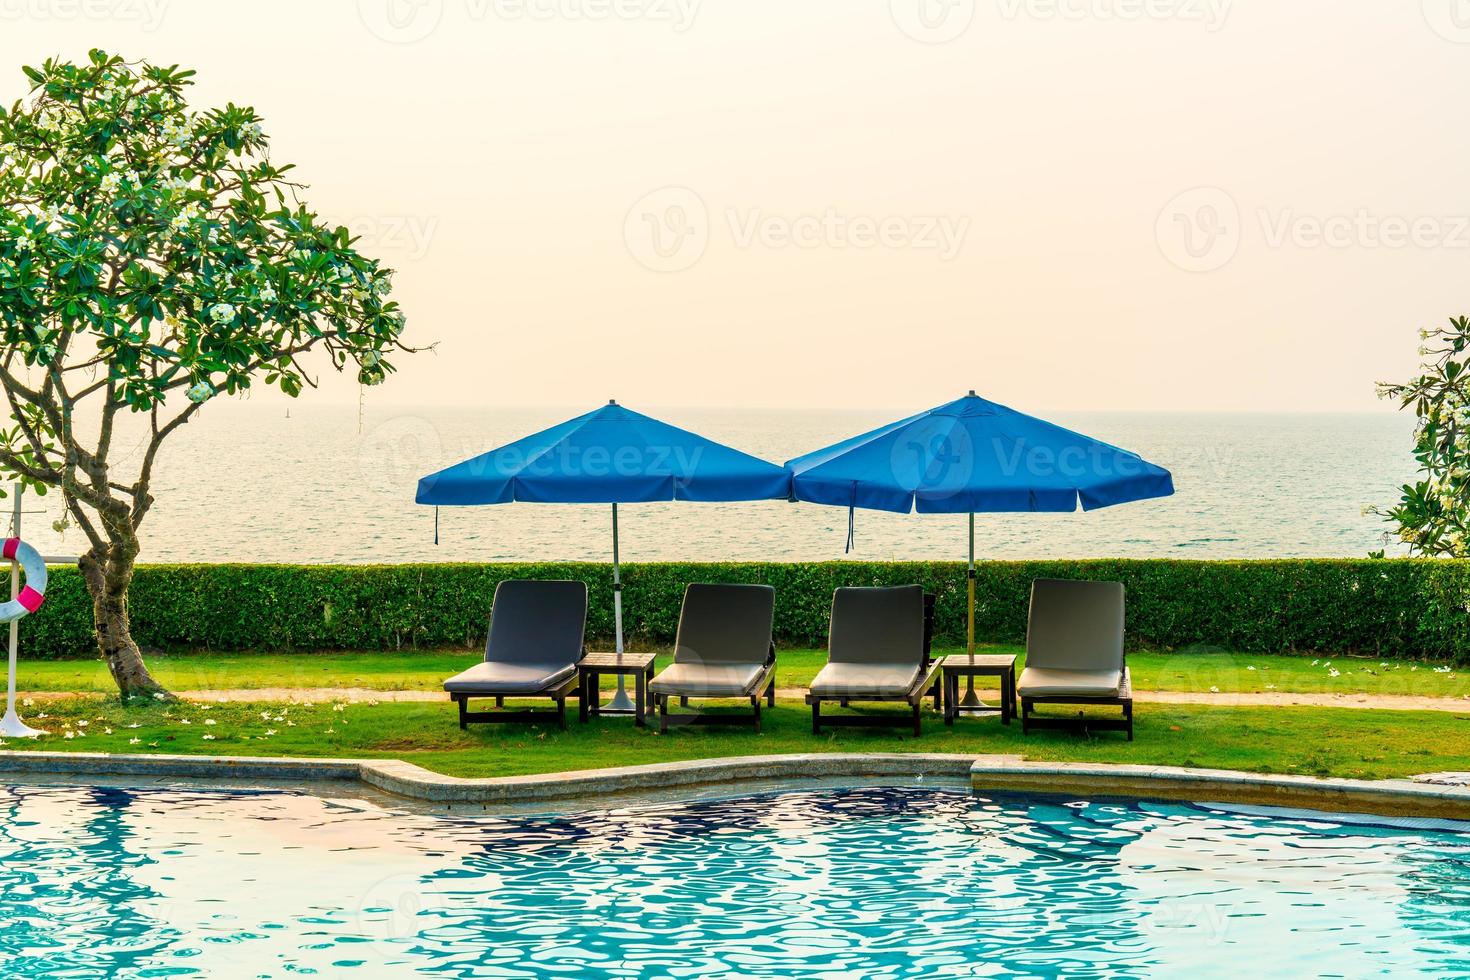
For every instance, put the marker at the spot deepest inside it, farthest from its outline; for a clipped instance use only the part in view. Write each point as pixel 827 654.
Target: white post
pixel 971 699
pixel 620 701
pixel 11 726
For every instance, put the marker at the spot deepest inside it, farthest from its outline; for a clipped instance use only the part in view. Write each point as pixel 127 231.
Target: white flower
pixel 268 293
pixel 185 721
pixel 83 723
pixel 160 696
pixel 1270 687
pixel 135 725
pixel 250 131
pixel 107 731
pixel 1249 667
pixel 1334 673
pixel 27 702
pixel 209 721
pixel 134 741
pixel 270 731
pixel 68 734
pixel 208 738
pixel 222 313
pixel 201 392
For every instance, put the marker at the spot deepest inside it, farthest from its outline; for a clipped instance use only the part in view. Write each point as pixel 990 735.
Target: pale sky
pixel 1065 204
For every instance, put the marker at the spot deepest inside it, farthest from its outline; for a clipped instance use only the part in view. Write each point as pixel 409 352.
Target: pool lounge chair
pixel 723 650
pixel 1074 654
pixel 878 650
pixel 532 650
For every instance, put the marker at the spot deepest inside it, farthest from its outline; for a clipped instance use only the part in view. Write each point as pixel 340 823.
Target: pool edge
pixel 1009 773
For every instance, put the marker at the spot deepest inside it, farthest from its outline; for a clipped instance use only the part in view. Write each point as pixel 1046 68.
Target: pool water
pixel 851 883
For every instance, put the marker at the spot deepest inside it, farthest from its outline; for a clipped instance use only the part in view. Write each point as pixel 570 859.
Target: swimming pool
pixel 824 883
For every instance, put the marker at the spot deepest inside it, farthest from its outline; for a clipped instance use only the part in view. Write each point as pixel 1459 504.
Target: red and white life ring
pixel 34 592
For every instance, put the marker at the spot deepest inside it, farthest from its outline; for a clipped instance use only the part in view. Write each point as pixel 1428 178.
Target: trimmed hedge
pixel 1396 607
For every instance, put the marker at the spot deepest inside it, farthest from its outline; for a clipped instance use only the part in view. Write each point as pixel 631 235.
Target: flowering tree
pixel 153 258
pixel 1433 514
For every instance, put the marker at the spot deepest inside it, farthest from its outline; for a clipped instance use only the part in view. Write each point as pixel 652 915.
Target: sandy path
pixel 1386 702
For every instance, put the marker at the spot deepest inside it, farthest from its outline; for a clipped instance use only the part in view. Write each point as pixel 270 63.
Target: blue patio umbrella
pixel 612 455
pixel 974 456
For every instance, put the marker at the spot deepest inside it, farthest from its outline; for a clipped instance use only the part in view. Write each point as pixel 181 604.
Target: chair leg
pixel 771 694
pixel 816 717
pixel 561 713
pixel 500 702
pixel 1025 715
pixel 1128 714
pixel 918 718
pixel 663 713
pixel 463 710
pixel 683 702
pixel 755 703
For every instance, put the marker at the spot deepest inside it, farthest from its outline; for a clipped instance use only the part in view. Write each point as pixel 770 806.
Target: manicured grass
pixel 1315 741
pixel 1227 672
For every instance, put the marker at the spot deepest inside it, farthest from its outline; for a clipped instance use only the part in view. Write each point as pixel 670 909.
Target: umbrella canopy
pixel 609 456
pixel 974 456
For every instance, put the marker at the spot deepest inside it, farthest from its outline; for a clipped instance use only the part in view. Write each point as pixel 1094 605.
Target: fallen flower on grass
pixel 209 721
pixel 270 731
pixel 208 738
pixel 134 741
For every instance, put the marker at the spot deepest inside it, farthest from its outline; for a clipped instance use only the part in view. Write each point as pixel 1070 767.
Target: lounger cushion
pixel 878 626
pixel 1041 682
pixel 495 677
pixel 725 624
pixel 1075 625
pixel 537 623
pixel 708 680
pixel 865 680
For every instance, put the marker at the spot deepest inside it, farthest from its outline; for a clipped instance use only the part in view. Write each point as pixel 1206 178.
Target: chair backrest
pixel 537 622
pixel 1075 625
pixel 878 625
pixel 725 624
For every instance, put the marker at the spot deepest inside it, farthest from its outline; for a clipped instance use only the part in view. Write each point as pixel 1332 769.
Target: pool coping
pixel 1010 773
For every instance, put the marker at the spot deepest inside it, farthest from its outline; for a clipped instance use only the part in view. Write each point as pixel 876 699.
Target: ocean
pixel 247 483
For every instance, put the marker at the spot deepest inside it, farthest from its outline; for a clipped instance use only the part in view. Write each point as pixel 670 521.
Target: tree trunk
pixel 108 576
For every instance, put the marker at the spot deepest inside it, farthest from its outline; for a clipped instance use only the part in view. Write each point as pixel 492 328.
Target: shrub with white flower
pixel 154 257
pixel 1432 516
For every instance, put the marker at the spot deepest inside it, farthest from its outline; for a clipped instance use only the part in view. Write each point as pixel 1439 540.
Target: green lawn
pixel 1315 741
pixel 1227 672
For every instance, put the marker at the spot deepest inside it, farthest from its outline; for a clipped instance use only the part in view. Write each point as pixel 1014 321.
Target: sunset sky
pixel 1066 204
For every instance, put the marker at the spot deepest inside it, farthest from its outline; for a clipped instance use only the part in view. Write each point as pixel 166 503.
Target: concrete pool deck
pixel 1435 795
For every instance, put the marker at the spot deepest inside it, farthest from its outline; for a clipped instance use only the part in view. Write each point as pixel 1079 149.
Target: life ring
pixel 34 593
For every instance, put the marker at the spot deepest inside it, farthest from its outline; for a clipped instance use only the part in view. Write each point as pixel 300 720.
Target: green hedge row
pixel 1399 607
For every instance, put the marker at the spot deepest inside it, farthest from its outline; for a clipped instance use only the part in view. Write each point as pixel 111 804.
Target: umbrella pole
pixel 620 700
pixel 971 699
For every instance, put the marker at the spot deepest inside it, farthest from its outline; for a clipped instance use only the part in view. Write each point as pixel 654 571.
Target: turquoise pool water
pixel 853 883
